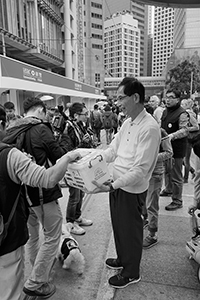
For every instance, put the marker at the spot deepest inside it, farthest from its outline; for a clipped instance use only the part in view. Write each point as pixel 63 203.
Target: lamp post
pixel 191 83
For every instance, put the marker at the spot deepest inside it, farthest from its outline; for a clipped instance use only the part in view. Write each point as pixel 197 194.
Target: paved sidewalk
pixel 166 271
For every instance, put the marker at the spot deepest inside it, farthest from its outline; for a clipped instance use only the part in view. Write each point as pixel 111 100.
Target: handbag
pixel 4 227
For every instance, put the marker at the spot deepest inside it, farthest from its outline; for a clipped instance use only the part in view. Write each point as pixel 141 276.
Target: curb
pixel 105 291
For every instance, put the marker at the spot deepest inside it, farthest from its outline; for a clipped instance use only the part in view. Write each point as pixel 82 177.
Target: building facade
pixel 122 45
pixel 139 12
pixel 46 35
pixel 163 39
pixel 186 28
pixel 93 42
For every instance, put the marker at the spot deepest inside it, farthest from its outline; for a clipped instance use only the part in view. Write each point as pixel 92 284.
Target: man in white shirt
pixel 134 152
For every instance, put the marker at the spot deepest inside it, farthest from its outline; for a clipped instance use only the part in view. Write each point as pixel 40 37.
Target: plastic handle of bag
pixel 90 162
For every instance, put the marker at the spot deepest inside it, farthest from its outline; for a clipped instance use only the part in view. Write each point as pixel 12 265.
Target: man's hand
pixel 100 188
pixel 73 155
pixel 170 136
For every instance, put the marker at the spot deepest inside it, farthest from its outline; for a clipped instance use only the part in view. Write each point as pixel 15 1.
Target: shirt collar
pixel 138 119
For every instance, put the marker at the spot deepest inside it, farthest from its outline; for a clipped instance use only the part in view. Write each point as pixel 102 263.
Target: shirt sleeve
pixel 22 169
pixel 183 127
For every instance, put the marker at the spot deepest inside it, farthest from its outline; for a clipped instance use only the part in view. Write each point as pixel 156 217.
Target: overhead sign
pixel 17 75
pixel 173 3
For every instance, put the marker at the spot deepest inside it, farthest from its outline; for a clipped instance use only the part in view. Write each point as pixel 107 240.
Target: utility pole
pixel 191 83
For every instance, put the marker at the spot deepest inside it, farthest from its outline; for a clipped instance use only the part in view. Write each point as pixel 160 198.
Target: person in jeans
pixel 40 143
pixel 175 121
pixel 134 151
pixel 17 168
pixel 151 209
pixel 78 138
pixel 193 129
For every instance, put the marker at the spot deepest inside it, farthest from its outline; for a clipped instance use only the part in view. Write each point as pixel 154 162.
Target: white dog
pixel 69 252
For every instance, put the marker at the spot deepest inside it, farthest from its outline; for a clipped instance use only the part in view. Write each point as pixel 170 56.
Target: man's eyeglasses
pixel 120 98
pixel 171 98
pixel 85 114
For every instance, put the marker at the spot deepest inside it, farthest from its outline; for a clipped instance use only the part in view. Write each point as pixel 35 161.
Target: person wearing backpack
pixel 96 122
pixel 108 123
pixel 17 168
pixel 38 141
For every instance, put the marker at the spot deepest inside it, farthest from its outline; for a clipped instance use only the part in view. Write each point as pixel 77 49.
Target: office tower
pixel 139 12
pixel 186 28
pixel 163 38
pixel 150 39
pixel 121 45
pixel 93 42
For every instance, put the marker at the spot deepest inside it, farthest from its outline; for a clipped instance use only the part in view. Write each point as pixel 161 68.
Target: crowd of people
pixel 148 143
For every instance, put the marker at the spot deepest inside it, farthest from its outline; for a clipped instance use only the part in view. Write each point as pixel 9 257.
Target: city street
pixel 166 271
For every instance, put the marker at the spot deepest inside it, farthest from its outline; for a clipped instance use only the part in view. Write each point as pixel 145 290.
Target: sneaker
pixel 149 242
pixel 44 292
pixel 165 194
pixel 76 229
pixel 145 223
pixel 113 264
pixel 83 222
pixel 119 282
pixel 173 206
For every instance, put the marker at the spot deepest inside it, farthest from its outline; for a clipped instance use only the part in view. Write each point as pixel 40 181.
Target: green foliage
pixel 180 78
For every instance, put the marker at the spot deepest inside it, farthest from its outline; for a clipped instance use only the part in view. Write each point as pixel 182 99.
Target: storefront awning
pixel 20 76
pixel 173 3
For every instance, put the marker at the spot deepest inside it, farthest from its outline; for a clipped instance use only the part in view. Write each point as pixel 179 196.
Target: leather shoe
pixel 165 194
pixel 173 206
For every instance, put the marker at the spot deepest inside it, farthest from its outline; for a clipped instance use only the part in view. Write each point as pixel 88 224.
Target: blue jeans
pixel 174 179
pixel 152 202
pixel 74 204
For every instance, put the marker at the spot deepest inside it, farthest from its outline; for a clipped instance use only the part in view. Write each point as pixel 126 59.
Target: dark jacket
pixel 75 132
pixel 40 143
pixel 17 232
pixel 170 122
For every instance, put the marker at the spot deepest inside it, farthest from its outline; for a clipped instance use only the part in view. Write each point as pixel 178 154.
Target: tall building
pixel 122 45
pixel 163 39
pixel 93 42
pixel 150 39
pixel 139 12
pixel 186 28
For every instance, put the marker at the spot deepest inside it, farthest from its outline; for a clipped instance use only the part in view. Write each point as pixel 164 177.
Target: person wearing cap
pixel 17 168
pixel 39 142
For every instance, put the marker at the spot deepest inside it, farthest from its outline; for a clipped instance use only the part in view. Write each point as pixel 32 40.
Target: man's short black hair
pixel 133 86
pixel 2 115
pixel 9 105
pixel 96 106
pixel 75 108
pixel 33 103
pixel 176 92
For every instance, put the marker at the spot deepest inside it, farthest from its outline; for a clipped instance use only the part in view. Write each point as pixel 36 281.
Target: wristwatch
pixel 111 187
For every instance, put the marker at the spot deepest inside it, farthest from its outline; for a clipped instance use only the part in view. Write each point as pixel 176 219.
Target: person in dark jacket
pixel 44 208
pixel 175 121
pixel 17 168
